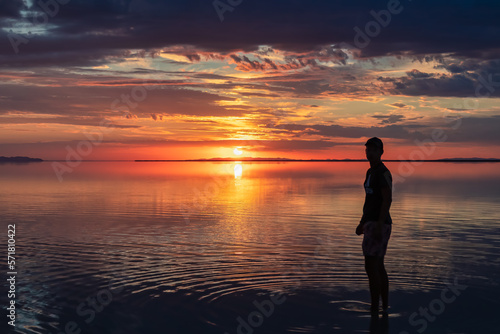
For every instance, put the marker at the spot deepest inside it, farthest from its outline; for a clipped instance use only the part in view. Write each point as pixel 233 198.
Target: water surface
pixel 189 247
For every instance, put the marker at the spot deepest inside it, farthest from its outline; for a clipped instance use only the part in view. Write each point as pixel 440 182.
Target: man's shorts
pixel 372 247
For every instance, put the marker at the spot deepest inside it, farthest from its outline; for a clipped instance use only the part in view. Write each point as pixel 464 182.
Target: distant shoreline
pixel 27 159
pixel 19 159
pixel 321 160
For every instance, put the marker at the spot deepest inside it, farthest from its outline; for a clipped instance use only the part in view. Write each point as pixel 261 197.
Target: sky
pixel 152 79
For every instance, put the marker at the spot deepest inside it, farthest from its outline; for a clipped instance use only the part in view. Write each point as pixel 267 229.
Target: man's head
pixel 374 149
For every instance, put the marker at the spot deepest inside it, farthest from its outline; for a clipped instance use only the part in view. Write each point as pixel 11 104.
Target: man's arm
pixel 363 217
pixel 359 228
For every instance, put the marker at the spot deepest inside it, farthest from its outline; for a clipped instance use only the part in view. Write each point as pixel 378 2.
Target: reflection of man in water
pixel 376 223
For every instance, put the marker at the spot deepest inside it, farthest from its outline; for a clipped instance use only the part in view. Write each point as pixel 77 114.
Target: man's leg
pixel 384 279
pixel 384 283
pixel 372 270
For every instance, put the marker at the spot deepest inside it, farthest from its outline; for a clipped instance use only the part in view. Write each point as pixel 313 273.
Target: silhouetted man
pixel 376 223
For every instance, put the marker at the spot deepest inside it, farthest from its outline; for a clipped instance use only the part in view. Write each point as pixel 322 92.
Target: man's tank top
pixel 376 177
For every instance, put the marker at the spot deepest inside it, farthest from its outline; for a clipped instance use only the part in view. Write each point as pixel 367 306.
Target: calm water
pixel 198 247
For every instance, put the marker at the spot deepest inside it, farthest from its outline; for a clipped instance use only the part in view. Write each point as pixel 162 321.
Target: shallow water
pixel 193 247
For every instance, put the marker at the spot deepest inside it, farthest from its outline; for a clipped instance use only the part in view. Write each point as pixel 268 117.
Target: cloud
pixel 398 105
pixel 110 100
pixel 417 74
pixel 96 31
pixel 389 119
pixel 11 9
pixel 157 117
pixel 484 81
pixel 336 130
pixel 483 130
pixel 467 130
pixel 265 56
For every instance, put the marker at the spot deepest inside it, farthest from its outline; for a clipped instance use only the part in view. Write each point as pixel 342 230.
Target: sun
pixel 237 151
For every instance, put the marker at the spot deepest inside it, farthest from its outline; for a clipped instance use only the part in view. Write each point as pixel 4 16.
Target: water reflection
pixel 254 229
pixel 379 325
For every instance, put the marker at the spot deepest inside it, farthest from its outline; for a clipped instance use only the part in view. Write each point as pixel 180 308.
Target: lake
pixel 250 247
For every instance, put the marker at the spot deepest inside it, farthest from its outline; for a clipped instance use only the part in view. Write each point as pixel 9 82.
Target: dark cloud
pixel 417 74
pixel 465 80
pixel 157 117
pixel 483 130
pixel 93 30
pixel 467 130
pixel 103 32
pixel 398 105
pixel 389 119
pixel 11 8
pixel 335 130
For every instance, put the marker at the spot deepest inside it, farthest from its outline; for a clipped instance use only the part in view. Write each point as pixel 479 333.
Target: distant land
pixel 19 159
pixel 317 160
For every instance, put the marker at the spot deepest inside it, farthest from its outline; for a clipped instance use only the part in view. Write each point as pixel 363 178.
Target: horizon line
pixel 291 160
pixel 251 159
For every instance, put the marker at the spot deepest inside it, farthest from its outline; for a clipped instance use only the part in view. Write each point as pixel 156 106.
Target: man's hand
pixel 359 229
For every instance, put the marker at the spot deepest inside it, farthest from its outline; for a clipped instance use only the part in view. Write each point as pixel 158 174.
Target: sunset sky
pixel 296 79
